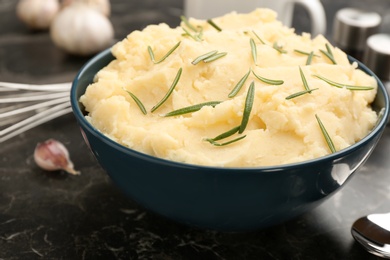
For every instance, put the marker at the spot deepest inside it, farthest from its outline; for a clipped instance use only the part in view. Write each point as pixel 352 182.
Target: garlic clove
pixel 81 30
pixel 52 155
pixel 37 14
pixel 103 6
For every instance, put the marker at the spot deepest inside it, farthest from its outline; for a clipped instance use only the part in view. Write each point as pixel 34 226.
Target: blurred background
pixel 105 219
pixel 126 16
pixel 382 7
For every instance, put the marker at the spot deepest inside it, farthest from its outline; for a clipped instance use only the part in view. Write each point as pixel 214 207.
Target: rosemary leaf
pixel 188 24
pixel 239 85
pixel 309 54
pixel 258 37
pixel 268 81
pixel 306 53
pixel 165 56
pixel 300 93
pixel 339 85
pixel 279 48
pixel 137 101
pixel 200 33
pixel 304 79
pixel 329 54
pixel 253 49
pixel 225 134
pixel 151 54
pixel 328 49
pixel 215 57
pixel 226 143
pixel 309 58
pixel 330 57
pixel 203 57
pixel 326 135
pixel 190 109
pixel 196 37
pixel 248 107
pixel 174 83
pixel 216 27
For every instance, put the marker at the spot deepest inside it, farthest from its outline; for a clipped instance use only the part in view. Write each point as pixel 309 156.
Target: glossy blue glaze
pixel 227 199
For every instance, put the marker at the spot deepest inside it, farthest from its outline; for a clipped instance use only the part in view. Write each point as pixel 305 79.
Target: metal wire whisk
pixel 25 106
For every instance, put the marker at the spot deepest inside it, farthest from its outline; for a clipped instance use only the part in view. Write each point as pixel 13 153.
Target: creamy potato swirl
pixel 289 95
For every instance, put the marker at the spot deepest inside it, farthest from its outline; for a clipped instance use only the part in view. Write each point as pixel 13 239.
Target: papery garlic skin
pixel 52 155
pixel 37 14
pixel 103 6
pixel 81 30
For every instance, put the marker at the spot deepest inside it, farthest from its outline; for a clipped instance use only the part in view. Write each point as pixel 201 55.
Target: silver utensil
pixel 24 106
pixel 373 233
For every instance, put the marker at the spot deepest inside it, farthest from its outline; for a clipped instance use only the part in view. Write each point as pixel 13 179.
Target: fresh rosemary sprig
pixel 188 24
pixel 248 107
pixel 305 53
pixel 326 135
pixel 328 53
pixel 239 85
pixel 174 83
pixel 304 81
pixel 215 57
pixel 339 85
pixel 216 27
pixel 224 135
pixel 190 109
pixel 279 48
pixel 309 58
pixel 268 81
pixel 203 57
pixel 225 143
pixel 196 37
pixel 310 55
pixel 307 88
pixel 151 54
pixel 137 101
pixel 258 37
pixel 198 31
pixel 300 93
pixel 253 49
pixel 328 49
pixel 208 57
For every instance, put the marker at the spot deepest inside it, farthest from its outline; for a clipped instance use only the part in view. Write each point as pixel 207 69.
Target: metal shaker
pixel 351 29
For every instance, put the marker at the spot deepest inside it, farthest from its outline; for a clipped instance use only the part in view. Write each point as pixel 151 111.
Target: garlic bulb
pixel 81 30
pixel 52 155
pixel 103 6
pixel 37 14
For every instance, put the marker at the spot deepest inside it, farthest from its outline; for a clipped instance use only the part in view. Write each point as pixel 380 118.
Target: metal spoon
pixel 373 233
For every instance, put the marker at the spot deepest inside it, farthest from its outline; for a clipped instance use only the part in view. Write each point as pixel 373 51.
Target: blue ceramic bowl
pixel 227 199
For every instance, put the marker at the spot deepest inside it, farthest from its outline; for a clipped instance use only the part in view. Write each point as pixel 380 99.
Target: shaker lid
pixel 353 26
pixel 377 55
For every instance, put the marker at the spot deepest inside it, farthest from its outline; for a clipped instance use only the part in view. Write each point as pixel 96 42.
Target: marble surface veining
pixel 54 215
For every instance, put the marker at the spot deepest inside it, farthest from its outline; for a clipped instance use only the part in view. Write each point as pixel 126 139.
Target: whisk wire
pixel 25 109
pixel 8 86
pixel 25 106
pixel 29 98
pixel 35 123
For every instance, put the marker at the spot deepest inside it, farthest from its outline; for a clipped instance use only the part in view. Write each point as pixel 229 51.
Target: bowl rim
pixel 75 104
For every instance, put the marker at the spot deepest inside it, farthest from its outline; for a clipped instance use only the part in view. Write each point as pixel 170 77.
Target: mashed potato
pixel 278 128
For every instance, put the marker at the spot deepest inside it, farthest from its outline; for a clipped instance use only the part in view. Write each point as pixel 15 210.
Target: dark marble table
pixel 53 215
